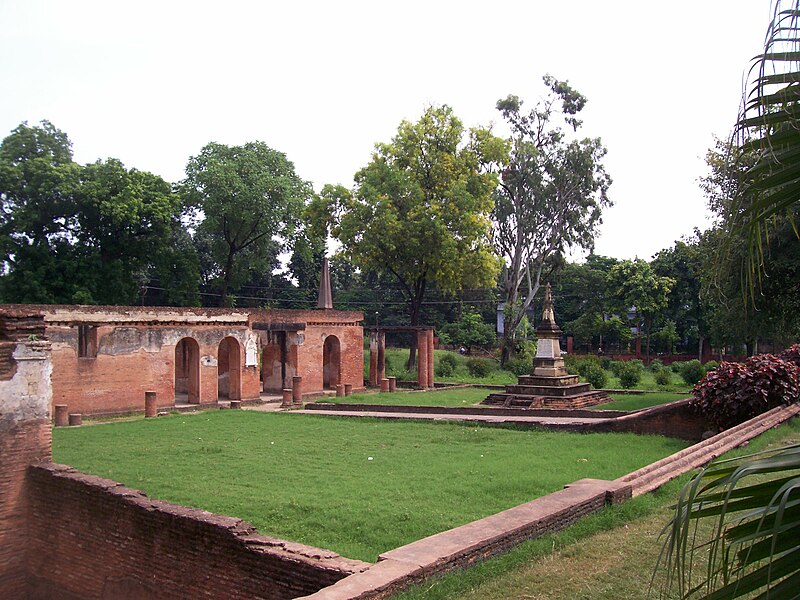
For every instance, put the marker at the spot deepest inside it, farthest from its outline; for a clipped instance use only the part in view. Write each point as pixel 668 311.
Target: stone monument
pixel 549 385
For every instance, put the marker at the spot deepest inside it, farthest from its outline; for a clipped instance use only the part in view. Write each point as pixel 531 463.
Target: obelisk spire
pixel 325 299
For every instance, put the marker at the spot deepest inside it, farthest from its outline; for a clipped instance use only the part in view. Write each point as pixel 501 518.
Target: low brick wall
pixel 92 538
pixel 475 541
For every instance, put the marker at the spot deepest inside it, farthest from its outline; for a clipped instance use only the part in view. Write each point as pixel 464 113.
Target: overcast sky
pixel 151 83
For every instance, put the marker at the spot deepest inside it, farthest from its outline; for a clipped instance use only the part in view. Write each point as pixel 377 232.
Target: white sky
pixel 151 82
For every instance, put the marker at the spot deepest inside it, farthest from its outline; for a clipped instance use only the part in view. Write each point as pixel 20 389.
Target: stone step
pixel 540 390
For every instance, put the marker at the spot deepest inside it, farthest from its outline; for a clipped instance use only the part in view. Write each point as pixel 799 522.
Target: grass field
pixel 609 555
pixel 637 401
pixel 358 487
pixel 455 397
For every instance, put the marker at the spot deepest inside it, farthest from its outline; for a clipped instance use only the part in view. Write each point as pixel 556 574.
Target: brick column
pixel 348 389
pixel 392 383
pixel 339 390
pixel 297 389
pixel 287 398
pixel 62 416
pixel 430 358
pixel 373 359
pixel 422 359
pixel 384 385
pixel 150 405
pixel 381 355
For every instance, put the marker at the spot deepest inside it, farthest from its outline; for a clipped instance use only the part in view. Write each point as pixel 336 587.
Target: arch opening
pixel 187 371
pixel 229 369
pixel 331 362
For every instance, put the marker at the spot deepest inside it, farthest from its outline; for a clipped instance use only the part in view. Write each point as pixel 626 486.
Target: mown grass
pixel 454 397
pixel 358 487
pixel 610 555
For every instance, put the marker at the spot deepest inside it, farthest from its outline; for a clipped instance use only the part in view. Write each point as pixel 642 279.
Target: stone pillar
pixel 75 419
pixel 150 405
pixel 62 417
pixel 25 434
pixel 422 358
pixel 348 389
pixel 339 390
pixel 287 398
pixel 381 355
pixel 392 383
pixel 384 385
pixel 297 389
pixel 373 359
pixel 430 358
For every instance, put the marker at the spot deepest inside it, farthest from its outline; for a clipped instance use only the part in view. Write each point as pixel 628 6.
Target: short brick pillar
pixel 384 385
pixel 297 389
pixel 348 389
pixel 62 417
pixel 75 419
pixel 236 404
pixel 339 390
pixel 287 397
pixel 150 405
pixel 392 384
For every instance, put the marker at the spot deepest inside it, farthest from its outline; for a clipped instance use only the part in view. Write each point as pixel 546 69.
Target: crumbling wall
pixel 94 538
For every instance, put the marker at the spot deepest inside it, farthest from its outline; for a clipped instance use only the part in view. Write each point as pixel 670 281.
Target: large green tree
pixel 550 196
pixel 249 199
pixel 635 286
pixel 78 234
pixel 420 209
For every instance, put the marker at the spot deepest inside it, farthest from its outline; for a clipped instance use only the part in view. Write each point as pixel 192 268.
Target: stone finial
pixel 548 315
pixel 325 299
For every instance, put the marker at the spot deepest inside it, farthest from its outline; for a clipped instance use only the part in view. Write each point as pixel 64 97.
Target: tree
pixel 550 196
pixel 77 234
pixel 471 330
pixel 635 285
pixel 249 198
pixel 420 209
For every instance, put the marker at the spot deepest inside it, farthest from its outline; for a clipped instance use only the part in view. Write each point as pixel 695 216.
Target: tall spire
pixel 548 322
pixel 325 299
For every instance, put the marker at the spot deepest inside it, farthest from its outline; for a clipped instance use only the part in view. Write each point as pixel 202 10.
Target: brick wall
pixel 93 538
pixel 24 437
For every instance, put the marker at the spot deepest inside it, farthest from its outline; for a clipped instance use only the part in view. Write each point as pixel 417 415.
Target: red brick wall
pixel 93 538
pixel 20 445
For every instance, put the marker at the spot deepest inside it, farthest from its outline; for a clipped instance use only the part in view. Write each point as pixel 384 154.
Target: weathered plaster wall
pixel 24 440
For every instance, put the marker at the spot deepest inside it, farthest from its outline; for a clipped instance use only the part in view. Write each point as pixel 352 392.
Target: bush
pixel 736 392
pixel 616 367
pixel 571 364
pixel 692 371
pixel 792 354
pixel 446 365
pixel 595 375
pixel 519 365
pixel 710 365
pixel 605 362
pixel 629 374
pixel 656 365
pixel 479 367
pixel 676 366
pixel 663 377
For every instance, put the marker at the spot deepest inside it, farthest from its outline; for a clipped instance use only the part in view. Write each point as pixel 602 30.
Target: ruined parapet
pixel 25 434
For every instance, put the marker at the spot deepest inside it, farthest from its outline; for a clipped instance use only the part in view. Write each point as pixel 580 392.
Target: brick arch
pixel 187 370
pixel 229 369
pixel 331 362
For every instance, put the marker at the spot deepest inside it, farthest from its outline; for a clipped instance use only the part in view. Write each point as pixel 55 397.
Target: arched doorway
pixel 187 371
pixel 229 369
pixel 331 362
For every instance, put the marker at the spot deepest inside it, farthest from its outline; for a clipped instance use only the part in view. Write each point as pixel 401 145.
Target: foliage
pixel 655 365
pixel 550 196
pixel 667 336
pixel 792 354
pixel 735 392
pixel 634 284
pixel 752 548
pixel 663 377
pixel 710 365
pixel 692 371
pixel 420 209
pixel 629 374
pixel 479 367
pixel 446 365
pixel 676 366
pixel 519 365
pixel 595 375
pixel 471 330
pixel 250 199
pixel 82 234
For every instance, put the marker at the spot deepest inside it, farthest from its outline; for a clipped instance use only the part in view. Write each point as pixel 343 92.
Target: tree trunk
pixel 226 279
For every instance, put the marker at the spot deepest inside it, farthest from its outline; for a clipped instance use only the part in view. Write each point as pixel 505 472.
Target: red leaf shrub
pixel 792 354
pixel 735 392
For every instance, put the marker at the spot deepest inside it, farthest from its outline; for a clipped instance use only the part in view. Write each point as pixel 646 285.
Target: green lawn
pixel 358 487
pixel 455 397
